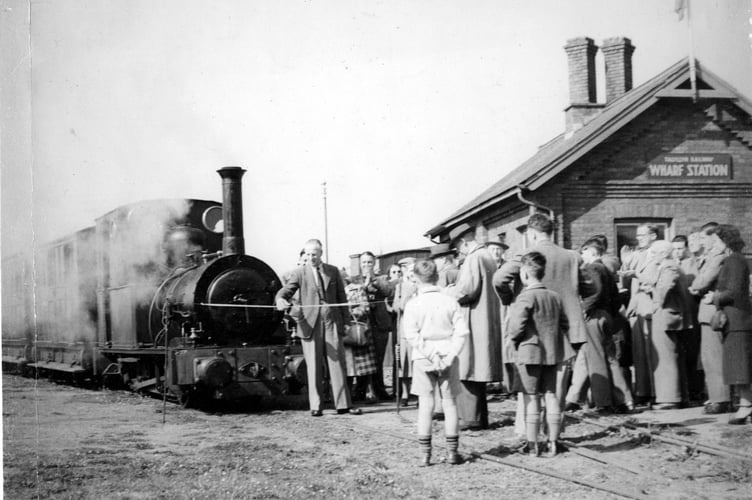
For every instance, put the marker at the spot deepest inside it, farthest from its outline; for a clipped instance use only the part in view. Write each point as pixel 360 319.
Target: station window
pixel 626 231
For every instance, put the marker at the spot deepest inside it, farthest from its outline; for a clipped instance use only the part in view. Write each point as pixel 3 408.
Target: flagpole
pixel 692 69
pixel 326 225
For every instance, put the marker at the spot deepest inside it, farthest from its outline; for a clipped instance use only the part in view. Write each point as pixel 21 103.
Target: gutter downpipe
pixel 533 206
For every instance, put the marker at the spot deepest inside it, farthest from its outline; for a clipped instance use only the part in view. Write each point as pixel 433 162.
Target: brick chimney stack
pixel 582 99
pixel 617 53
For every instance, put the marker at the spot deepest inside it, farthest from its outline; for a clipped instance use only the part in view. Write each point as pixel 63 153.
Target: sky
pixel 406 109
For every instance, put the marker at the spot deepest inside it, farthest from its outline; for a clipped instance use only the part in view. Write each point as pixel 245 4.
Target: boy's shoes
pixel 425 460
pixel 316 413
pixel 552 449
pixel 533 450
pixel 454 458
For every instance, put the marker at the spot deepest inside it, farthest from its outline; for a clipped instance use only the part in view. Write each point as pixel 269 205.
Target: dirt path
pixel 65 442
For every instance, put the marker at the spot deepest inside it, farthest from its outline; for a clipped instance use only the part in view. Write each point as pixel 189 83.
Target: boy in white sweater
pixel 436 329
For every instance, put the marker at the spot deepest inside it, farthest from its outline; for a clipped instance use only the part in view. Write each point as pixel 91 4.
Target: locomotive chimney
pixel 232 210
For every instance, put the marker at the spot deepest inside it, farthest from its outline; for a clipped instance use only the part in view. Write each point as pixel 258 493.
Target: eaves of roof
pixel 559 153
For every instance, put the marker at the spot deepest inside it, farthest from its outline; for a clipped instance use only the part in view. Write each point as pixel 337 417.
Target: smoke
pixel 54 295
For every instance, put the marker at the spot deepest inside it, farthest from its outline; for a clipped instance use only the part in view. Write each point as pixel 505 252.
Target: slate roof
pixel 559 153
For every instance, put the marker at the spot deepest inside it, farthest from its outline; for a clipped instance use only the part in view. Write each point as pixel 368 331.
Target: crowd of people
pixel 665 325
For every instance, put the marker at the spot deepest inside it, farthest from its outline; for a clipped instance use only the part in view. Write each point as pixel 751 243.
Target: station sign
pixel 691 166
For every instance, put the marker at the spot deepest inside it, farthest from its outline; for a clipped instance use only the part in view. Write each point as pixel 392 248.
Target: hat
pixel 406 261
pixel 498 243
pixel 460 230
pixel 441 249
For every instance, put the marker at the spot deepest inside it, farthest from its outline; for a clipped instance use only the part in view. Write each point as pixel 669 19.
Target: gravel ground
pixel 67 442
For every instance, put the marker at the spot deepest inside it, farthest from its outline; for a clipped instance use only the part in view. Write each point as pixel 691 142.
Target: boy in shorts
pixel 436 330
pixel 538 327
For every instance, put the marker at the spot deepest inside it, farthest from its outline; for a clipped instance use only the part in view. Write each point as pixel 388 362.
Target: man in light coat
pixel 480 360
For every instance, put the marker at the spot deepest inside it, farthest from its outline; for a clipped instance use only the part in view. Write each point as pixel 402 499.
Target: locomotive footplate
pixel 232 373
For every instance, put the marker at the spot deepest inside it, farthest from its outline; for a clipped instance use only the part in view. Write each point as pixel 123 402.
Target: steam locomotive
pixel 158 296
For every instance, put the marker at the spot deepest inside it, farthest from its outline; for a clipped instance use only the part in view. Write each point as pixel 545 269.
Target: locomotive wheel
pixel 192 399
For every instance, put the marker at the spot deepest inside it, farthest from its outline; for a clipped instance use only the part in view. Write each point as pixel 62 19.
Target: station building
pixel 662 153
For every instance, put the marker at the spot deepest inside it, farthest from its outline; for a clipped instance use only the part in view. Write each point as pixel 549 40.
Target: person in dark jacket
pixel 538 327
pixel 732 297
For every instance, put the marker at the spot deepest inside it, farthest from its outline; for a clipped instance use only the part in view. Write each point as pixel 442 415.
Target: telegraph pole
pixel 326 225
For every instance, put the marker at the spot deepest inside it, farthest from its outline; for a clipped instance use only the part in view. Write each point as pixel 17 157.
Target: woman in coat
pixel 732 296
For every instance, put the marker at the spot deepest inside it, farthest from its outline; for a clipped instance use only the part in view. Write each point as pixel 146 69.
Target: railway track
pixel 620 477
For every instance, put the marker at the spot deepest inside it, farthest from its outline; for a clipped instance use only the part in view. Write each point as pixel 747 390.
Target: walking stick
pixel 397 360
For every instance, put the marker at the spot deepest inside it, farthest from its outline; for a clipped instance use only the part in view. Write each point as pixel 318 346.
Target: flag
pixel 680 7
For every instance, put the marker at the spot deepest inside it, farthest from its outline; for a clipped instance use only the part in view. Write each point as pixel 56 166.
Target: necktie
pixel 320 284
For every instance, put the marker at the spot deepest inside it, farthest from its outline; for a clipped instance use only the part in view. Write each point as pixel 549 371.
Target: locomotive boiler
pixel 161 297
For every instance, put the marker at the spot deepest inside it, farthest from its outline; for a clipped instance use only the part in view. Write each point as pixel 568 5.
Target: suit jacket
pixel 538 327
pixel 672 302
pixel 301 278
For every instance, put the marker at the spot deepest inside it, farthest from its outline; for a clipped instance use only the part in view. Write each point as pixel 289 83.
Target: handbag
pixel 356 334
pixel 719 321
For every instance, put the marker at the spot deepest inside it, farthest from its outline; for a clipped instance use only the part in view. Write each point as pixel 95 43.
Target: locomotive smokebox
pixel 232 210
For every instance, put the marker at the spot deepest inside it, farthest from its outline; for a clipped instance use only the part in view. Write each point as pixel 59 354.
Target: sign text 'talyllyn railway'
pixel 691 166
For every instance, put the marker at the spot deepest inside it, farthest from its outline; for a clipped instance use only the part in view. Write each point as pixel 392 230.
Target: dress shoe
pixel 666 406
pixel 454 459
pixel 316 413
pixel 350 411
pixel 571 407
pixel 625 408
pixel 716 408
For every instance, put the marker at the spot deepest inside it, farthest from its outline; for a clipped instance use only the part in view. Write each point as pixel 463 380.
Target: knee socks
pixel 452 443
pixel 424 442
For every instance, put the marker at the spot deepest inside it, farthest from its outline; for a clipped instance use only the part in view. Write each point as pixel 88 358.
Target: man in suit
pixel 672 317
pixel 320 326
pixel 480 360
